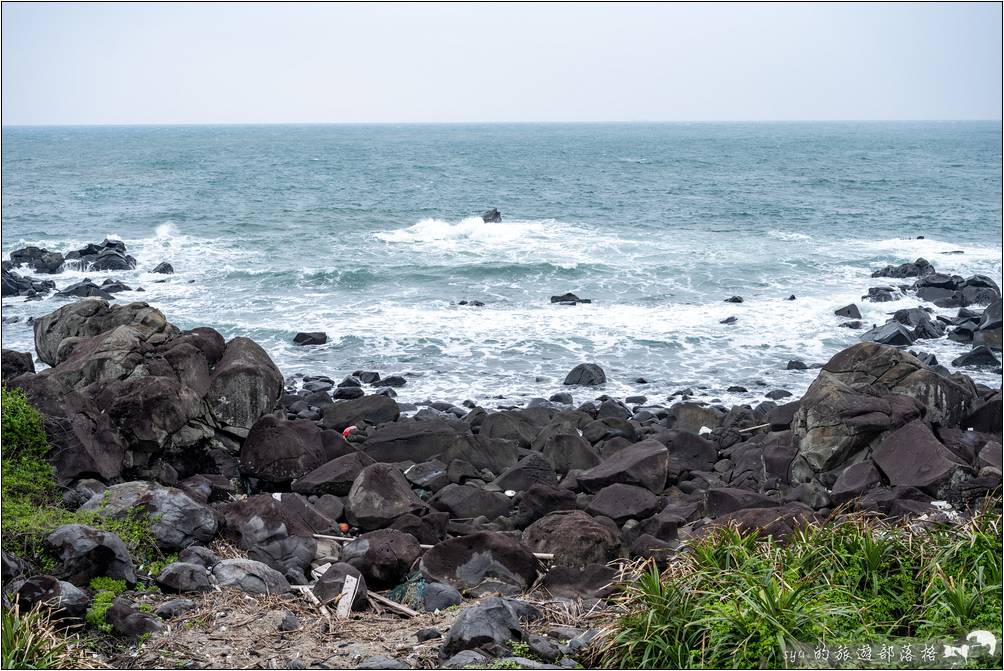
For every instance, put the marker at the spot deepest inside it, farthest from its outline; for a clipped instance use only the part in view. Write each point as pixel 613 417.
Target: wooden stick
pixel 305 589
pixel 393 605
pixel 753 428
pixel 346 598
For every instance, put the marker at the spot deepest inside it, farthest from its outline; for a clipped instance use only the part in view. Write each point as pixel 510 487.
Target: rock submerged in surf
pixel 586 374
pixel 310 338
pixel 569 299
pixel 492 216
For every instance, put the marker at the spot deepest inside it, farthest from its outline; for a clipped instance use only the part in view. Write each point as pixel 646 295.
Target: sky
pixel 152 63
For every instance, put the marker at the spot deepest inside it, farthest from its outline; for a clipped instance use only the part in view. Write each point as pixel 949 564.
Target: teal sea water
pixel 371 234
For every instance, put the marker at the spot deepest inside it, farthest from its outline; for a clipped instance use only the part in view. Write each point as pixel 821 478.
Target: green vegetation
pixel 96 613
pixel 522 649
pixel 737 600
pixel 33 641
pixel 32 502
pixel 105 584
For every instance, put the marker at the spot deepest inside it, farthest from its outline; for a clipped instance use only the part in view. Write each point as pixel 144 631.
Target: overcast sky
pixel 214 63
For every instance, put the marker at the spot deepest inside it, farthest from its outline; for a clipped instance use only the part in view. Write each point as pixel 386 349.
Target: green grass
pixel 96 612
pixel 32 501
pixel 740 601
pixel 33 640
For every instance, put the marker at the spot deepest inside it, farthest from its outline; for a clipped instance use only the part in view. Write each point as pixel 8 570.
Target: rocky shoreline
pixel 318 483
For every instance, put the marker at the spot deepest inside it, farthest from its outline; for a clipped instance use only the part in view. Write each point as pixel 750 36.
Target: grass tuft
pixel 738 600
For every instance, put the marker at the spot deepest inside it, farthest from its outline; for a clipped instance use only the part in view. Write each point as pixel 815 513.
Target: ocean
pixel 372 234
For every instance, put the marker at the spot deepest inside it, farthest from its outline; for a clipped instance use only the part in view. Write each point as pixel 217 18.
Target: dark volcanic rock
pixel 250 576
pixel 384 557
pixel 890 333
pixel 88 553
pixel 492 216
pixel 84 289
pixel 15 363
pixel 981 355
pixel 465 562
pixel 529 470
pixel 913 457
pixel 335 477
pixel 163 268
pixel 378 496
pixel 469 501
pixel 279 451
pixel 918 268
pixel 245 385
pixel 854 481
pixel 621 503
pixel 374 409
pixel 723 500
pixel 645 464
pixel 491 622
pixel 176 521
pixel 304 338
pixel 569 299
pixel 576 538
pixel 586 374
pixel 330 584
pixel 868 389
pixel 849 311
pixel 183 577
pixel 39 260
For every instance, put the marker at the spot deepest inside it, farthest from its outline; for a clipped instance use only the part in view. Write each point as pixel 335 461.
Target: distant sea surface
pixel 371 234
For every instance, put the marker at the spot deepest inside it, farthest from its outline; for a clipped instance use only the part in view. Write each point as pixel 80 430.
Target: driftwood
pixel 392 605
pixel 309 593
pixel 753 428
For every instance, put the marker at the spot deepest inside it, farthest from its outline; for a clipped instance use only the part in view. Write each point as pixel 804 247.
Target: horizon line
pixel 486 123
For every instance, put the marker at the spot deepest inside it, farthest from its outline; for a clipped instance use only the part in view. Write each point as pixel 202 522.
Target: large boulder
pixel 245 385
pixel 575 538
pixel 435 439
pixel 918 268
pixel 911 456
pixel 567 451
pixel 279 451
pixel 645 464
pixel 149 410
pixel 62 599
pixel 379 495
pixel 334 477
pixel 467 561
pixel 176 521
pixel 385 556
pixel 491 622
pixel 250 576
pixel 373 409
pixel 38 259
pixel 13 284
pixel 15 363
pixel 184 577
pixel 586 374
pixel 263 519
pixel 621 503
pixel 469 501
pixel 87 553
pixel 88 318
pixel 868 389
pixel 531 469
